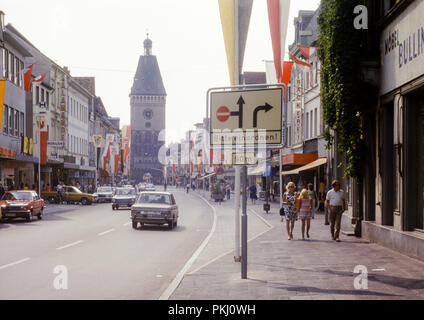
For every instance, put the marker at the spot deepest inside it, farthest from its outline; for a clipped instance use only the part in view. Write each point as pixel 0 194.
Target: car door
pixel 174 206
pixel 73 195
pixel 34 203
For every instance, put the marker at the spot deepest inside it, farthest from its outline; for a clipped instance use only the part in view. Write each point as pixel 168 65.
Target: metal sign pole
pixel 244 225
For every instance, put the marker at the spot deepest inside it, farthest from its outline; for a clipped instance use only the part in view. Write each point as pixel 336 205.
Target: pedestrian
pixel 21 186
pixel 304 207
pixel 59 191
pixel 188 187
pixel 48 188
pixel 228 190
pixel 34 187
pixel 253 193
pixel 26 187
pixel 289 205
pixel 321 195
pixel 1 190
pixel 313 195
pixel 335 201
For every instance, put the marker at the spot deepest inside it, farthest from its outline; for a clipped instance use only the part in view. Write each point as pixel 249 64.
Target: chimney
pixel 1 24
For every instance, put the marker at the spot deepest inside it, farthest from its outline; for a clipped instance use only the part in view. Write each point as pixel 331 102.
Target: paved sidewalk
pixel 317 268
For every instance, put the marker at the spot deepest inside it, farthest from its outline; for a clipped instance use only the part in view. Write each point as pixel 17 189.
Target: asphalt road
pixel 104 258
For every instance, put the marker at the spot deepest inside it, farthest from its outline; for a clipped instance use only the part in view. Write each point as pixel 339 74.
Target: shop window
pixel 5 119
pixel 16 122
pixel 21 121
pixel 10 67
pixel 5 66
pixel 396 179
pixel 11 121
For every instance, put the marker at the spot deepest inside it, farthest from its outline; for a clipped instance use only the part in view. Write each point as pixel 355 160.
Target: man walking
pixel 228 190
pixel 336 206
pixel 59 191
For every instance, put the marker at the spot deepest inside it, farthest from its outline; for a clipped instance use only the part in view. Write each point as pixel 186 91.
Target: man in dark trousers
pixel 336 206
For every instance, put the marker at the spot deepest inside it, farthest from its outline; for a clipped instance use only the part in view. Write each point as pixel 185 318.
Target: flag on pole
pixel 307 52
pixel 299 62
pixel 40 78
pixel 27 78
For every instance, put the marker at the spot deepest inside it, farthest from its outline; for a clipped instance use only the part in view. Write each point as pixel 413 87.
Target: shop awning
pixel 210 175
pixel 309 166
pixel 256 171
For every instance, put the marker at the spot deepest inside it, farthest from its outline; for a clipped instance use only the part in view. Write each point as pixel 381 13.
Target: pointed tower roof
pixel 148 80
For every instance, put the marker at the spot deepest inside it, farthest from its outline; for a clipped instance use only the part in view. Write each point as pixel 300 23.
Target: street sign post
pixel 248 110
pixel 258 108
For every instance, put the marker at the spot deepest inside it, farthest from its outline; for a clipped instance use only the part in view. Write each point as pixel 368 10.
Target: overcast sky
pixel 104 39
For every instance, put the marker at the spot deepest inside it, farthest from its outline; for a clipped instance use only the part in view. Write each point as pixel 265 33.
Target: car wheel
pixel 134 224
pixel 40 215
pixel 175 223
pixel 117 207
pixel 29 217
pixel 84 201
pixel 113 207
pixel 171 224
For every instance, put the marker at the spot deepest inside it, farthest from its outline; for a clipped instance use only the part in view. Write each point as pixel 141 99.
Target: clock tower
pixel 148 100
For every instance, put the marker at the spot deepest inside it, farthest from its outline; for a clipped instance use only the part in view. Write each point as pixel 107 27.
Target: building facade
pixel 17 164
pixel 148 101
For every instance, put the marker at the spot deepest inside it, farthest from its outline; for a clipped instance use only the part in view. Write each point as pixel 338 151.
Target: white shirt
pixel 335 198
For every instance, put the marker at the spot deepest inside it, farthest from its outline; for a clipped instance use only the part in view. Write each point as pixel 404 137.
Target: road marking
pixel 224 254
pixel 13 263
pixel 126 224
pixel 70 245
pixel 378 269
pixel 105 232
pixel 176 282
pixel 256 214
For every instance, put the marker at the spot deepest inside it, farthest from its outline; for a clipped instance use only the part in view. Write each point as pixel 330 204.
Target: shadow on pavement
pixel 161 228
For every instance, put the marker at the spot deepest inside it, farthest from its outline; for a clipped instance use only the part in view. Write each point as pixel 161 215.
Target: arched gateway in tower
pixel 148 100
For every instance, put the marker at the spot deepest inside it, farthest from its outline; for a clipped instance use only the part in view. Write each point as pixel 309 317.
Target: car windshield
pixel 20 196
pixel 125 192
pixel 154 198
pixel 104 189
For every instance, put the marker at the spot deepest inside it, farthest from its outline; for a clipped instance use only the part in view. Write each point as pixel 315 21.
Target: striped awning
pixel 309 166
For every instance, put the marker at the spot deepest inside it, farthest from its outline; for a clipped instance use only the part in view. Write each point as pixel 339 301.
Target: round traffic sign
pixel 223 113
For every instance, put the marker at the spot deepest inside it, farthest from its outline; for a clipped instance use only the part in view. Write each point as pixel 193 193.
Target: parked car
pixel 157 208
pixel 142 187
pixel 104 194
pixel 150 187
pixel 21 204
pixel 70 194
pixel 124 197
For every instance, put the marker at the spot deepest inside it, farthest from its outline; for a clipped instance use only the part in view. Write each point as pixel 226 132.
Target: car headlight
pixel 3 206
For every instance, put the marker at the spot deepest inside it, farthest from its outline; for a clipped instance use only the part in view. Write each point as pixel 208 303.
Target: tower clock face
pixel 148 114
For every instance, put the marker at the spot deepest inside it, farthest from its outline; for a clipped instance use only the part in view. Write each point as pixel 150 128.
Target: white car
pixel 104 194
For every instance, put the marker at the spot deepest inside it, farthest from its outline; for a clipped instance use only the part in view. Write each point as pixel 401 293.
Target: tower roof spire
pixel 147 46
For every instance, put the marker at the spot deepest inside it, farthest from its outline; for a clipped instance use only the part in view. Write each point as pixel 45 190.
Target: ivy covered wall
pixel 340 46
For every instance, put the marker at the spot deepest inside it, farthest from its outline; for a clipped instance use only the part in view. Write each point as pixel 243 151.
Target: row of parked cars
pixel 147 207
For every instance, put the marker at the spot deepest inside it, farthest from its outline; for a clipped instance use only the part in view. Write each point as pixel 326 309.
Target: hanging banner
pixel 278 16
pixel 227 10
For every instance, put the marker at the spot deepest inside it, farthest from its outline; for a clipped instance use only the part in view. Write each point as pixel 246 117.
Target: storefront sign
pixel 7 153
pixel 57 144
pixel 402 48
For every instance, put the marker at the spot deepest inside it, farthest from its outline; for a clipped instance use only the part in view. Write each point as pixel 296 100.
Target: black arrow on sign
pixel 239 113
pixel 265 108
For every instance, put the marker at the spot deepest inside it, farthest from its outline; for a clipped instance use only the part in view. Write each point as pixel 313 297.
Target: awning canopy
pixel 256 171
pixel 309 166
pixel 210 175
